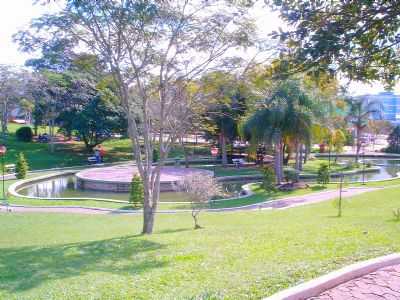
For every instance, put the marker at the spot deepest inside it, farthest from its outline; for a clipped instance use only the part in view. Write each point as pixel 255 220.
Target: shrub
pixel 268 183
pixel 323 174
pixel 136 196
pixel 21 167
pixel 156 155
pixel 291 175
pixel 24 134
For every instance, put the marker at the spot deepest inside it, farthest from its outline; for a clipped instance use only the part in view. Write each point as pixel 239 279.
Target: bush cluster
pixel 24 134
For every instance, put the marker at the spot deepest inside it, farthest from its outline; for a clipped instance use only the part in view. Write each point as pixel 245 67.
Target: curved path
pixel 283 203
pixel 383 284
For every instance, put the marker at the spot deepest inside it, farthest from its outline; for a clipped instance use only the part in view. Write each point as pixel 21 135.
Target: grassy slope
pixel 39 156
pixel 237 255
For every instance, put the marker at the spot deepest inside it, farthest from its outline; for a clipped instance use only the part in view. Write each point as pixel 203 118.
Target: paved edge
pixel 16 186
pixel 319 285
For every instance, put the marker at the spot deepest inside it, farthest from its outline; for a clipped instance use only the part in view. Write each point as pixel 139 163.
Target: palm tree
pixel 359 112
pixel 286 113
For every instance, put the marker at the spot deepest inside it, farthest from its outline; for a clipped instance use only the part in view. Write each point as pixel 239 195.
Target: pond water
pixel 66 187
pixel 388 168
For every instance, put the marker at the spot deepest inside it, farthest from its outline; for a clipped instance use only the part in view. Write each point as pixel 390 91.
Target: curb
pixel 319 285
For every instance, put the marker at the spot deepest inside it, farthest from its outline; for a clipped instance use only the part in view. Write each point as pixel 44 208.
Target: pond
pixel 67 187
pixel 388 168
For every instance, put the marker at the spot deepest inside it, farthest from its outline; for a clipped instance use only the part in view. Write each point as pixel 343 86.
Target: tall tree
pixel 148 47
pixel 359 112
pixel 11 91
pixel 285 112
pixel 227 104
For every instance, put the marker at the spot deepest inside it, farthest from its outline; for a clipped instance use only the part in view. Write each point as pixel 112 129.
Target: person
pixel 97 155
pixel 102 152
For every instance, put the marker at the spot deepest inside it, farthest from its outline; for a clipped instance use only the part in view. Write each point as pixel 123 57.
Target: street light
pixel 363 168
pixel 3 151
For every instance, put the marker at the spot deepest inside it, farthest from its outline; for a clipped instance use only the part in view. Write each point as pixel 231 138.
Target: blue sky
pixel 16 14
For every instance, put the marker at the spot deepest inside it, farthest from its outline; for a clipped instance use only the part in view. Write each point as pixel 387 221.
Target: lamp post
pixel 363 167
pixel 340 195
pixel 3 151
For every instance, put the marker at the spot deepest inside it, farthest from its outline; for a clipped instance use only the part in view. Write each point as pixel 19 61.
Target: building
pixel 390 105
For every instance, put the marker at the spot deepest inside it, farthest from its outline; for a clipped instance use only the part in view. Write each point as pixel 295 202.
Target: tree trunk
pixel 223 150
pixel 287 158
pixel 185 153
pixel 51 131
pixel 297 157
pixel 301 152
pixel 148 219
pixel 195 215
pixel 358 144
pixel 278 160
pixel 4 118
pixel 306 153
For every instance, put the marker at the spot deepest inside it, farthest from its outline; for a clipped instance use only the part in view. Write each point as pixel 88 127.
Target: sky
pixel 16 14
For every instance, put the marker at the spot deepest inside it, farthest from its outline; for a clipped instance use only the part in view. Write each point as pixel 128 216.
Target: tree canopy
pixel 358 38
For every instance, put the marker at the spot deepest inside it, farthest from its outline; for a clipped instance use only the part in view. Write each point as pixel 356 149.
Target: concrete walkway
pixel 383 284
pixel 311 198
pixel 283 203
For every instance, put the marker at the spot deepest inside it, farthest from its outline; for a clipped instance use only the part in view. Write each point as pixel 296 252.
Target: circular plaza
pixel 118 178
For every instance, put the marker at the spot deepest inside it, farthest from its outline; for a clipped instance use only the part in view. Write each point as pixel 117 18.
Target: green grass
pixel 312 166
pixel 73 154
pixel 242 255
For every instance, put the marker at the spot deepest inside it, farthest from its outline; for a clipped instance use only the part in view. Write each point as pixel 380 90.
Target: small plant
pixel 291 175
pixel 323 174
pixel 136 196
pixel 200 189
pixel 21 167
pixel 269 178
pixel 396 213
pixel 24 134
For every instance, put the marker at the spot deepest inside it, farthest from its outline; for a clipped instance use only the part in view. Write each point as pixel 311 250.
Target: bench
pixel 10 168
pixel 92 160
pixel 238 162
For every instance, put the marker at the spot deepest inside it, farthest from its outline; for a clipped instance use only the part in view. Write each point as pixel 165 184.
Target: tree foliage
pixel 323 175
pixel 22 167
pixel 149 47
pixel 136 196
pixel 359 38
pixel 24 134
pixel 201 189
pixel 394 141
pixel 359 112
pixel 285 112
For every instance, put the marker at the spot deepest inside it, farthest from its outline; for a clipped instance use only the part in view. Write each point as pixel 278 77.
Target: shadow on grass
pixel 27 267
pixel 167 231
pixel 317 188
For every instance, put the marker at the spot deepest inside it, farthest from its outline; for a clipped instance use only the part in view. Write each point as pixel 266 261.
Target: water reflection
pixel 67 187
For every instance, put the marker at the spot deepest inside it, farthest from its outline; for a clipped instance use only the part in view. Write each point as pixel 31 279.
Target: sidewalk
pixel 383 284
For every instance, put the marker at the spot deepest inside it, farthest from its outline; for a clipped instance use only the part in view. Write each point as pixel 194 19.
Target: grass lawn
pixel 241 255
pixel 73 154
pixel 312 166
